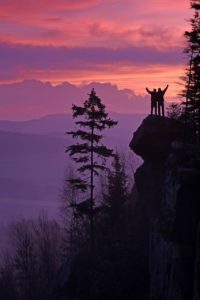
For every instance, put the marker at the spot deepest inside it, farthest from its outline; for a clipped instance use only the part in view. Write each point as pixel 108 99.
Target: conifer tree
pixel 192 85
pixel 92 119
pixel 117 186
pixel 116 196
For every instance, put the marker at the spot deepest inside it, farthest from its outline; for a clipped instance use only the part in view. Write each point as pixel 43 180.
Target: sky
pixel 131 44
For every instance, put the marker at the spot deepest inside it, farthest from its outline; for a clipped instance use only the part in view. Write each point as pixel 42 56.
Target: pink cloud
pixel 104 23
pixel 77 64
pixel 129 43
pixel 23 7
pixel 45 99
pixel 115 36
pixel 94 34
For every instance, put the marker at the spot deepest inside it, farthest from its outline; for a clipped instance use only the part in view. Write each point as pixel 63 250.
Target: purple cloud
pixel 19 58
pixel 31 99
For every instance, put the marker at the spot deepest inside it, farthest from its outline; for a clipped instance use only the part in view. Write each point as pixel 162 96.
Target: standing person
pixel 153 100
pixel 160 98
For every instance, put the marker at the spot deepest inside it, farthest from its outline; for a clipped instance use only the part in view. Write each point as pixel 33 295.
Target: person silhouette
pixel 153 100
pixel 160 99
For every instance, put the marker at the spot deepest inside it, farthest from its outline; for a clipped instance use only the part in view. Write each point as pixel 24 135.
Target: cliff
pixel 169 192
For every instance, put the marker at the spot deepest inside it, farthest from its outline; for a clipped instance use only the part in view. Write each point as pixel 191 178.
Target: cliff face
pixel 169 191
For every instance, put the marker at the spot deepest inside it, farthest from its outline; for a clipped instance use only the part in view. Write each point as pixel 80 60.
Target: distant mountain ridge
pixel 58 124
pixel 33 160
pixel 33 98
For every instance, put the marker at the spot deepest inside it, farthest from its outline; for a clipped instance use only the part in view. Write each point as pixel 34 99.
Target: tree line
pixel 96 237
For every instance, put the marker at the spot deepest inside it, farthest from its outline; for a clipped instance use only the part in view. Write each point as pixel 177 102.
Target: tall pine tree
pixel 115 199
pixel 117 193
pixel 93 119
pixel 192 85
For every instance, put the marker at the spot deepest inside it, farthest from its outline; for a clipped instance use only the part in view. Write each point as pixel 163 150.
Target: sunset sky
pixel 128 43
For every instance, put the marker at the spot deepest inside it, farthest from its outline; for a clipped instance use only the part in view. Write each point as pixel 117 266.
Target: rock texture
pixel 168 187
pixel 154 136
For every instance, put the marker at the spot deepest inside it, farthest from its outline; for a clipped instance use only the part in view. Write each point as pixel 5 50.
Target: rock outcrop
pixel 152 142
pixel 169 191
pixel 154 136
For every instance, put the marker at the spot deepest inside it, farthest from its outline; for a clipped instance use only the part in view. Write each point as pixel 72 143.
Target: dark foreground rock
pixel 169 190
pixel 154 136
pixel 158 257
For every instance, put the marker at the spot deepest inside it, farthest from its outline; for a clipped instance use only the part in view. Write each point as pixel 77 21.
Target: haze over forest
pixel 33 161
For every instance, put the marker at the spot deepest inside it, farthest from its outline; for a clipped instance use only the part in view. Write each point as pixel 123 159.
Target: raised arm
pixel 148 91
pixel 165 89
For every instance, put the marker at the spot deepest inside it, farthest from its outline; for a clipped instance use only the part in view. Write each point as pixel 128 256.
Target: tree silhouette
pixel 92 120
pixel 174 111
pixel 192 84
pixel 116 197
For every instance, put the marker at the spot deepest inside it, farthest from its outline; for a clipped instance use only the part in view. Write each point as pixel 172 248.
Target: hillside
pixel 33 161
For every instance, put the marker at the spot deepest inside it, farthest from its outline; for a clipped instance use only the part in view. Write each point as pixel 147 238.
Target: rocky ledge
pixel 154 136
pixel 169 191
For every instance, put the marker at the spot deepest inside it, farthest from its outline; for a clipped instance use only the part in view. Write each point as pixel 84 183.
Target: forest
pixel 116 238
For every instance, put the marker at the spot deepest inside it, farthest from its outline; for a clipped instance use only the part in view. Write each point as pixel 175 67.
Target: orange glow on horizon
pixel 125 78
pixel 130 44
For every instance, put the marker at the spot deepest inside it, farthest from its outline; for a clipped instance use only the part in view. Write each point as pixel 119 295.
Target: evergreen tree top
pixel 93 113
pixel 92 118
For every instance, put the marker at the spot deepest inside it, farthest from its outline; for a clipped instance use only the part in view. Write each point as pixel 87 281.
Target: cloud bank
pixel 33 99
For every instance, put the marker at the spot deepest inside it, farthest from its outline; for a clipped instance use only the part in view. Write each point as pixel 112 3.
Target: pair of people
pixel 157 100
